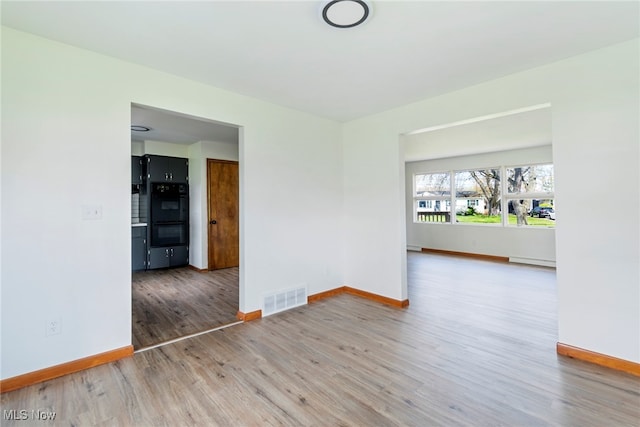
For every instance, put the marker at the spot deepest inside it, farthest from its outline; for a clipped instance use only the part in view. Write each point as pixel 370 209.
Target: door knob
pixel 213 221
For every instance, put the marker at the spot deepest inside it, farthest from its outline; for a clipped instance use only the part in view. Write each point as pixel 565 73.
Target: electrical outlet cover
pixel 53 327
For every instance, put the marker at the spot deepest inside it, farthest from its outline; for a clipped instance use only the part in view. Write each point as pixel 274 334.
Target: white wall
pixel 137 148
pixel 595 125
pixel 533 245
pixel 62 267
pixel 161 148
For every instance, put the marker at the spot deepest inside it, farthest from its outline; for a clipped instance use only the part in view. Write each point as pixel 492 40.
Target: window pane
pixel 533 178
pixel 433 210
pixel 535 212
pixel 433 184
pixel 478 196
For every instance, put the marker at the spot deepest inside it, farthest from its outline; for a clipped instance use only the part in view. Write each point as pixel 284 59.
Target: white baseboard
pixel 414 248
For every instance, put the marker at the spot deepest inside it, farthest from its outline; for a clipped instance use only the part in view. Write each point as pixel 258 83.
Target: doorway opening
pixel 195 297
pixel 475 188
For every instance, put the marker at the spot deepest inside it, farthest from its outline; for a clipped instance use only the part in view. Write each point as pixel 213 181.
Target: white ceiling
pixel 509 131
pixel 282 52
pixel 167 126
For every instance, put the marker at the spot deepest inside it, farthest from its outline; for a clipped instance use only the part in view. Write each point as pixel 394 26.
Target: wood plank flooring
pixel 172 303
pixel 476 347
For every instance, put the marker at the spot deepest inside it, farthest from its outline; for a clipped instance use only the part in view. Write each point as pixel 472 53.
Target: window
pixel 511 196
pixel 530 195
pixel 478 196
pixel 432 197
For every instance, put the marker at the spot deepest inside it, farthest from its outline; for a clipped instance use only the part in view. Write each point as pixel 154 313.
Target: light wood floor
pixel 172 303
pixel 476 347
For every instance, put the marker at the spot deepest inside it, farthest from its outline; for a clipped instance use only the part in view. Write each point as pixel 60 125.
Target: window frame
pixel 417 199
pixel 467 199
pixel 505 195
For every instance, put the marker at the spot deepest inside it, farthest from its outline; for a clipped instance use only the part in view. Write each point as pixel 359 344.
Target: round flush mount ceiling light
pixel 345 13
pixel 138 128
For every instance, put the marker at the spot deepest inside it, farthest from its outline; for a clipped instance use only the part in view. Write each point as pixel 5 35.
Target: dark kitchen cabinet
pixel 166 197
pixel 138 248
pixel 167 169
pixel 136 170
pixel 172 256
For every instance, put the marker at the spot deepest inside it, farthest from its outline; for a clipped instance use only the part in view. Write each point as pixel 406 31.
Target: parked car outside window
pixel 543 212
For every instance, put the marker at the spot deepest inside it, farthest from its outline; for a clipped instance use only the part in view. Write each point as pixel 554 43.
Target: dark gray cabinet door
pixel 136 170
pixel 138 248
pixel 156 168
pixel 167 169
pixel 178 169
pixel 173 256
pixel 159 258
pixel 179 255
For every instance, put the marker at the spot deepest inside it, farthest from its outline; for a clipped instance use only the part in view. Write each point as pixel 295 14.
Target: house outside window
pixel 432 197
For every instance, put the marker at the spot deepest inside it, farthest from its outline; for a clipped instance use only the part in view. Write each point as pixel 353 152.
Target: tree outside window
pixel 478 196
pixel 530 194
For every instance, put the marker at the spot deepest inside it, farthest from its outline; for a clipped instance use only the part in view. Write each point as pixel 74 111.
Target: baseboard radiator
pixel 283 300
pixel 532 261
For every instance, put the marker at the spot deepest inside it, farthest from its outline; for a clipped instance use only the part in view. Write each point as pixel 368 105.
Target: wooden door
pixel 223 200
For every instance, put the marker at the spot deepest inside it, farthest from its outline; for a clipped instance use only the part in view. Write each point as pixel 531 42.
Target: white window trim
pixel 417 198
pixel 522 195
